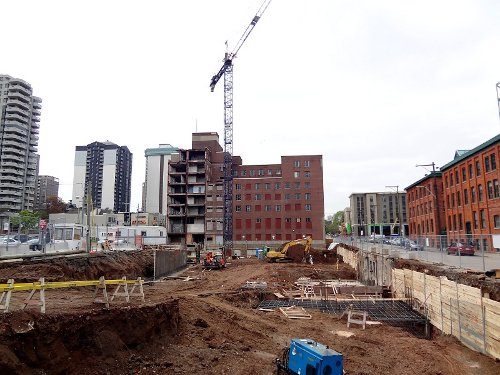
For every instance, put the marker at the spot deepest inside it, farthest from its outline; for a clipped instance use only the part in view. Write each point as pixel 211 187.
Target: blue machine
pixel 307 357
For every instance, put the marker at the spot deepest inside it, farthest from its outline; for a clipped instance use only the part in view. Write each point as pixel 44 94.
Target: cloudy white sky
pixel 376 87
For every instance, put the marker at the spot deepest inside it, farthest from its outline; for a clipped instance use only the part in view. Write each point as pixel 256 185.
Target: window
pixel 252 173
pixel 483 219
pixel 493 162
pixel 487 164
pixel 278 172
pixel 307 185
pixel 460 224
pixel 307 196
pixel 471 173
pixel 454 222
pixel 496 192
pixel 258 197
pixel 456 178
pixel 287 197
pixel 459 201
pixel 258 220
pixel 496 221
pixel 260 172
pixel 297 185
pixel 296 174
pixel 474 216
pixel 287 185
pixel 297 196
pixel 238 197
pixel 277 185
pixel 267 186
pixel 307 174
pixel 452 199
pixel 490 190
pixel 480 193
pixel 278 207
pixel 268 207
pixel 307 163
pixel 296 163
pixel 248 208
pixel 307 207
pixel 269 172
pixel 257 186
pixel 464 175
pixel 446 181
pixel 478 169
pixel 288 219
pixel 473 194
pixel 238 208
pixel 244 172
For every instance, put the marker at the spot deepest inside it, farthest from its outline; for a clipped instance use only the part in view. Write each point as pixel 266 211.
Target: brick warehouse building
pixel 426 211
pixel 472 196
pixel 272 203
pixel 279 202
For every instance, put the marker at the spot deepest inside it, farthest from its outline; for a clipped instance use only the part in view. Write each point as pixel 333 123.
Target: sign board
pixel 42 224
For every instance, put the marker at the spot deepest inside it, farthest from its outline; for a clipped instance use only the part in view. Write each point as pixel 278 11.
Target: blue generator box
pixel 307 357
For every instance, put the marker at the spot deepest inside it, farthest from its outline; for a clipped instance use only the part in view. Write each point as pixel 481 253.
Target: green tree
pixel 334 222
pixel 25 221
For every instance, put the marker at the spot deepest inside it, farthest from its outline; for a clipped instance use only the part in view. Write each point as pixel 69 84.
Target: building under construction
pixel 271 202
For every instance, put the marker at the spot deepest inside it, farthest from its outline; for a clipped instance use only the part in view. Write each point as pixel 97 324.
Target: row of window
pixel 270 237
pixel 260 173
pixel 271 208
pixel 424 227
pixel 455 222
pixel 268 186
pixel 493 191
pixel 277 197
pixel 421 209
pixel 490 164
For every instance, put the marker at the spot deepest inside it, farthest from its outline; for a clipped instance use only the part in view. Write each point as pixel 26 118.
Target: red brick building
pixel 279 202
pixel 272 202
pixel 472 195
pixel 425 205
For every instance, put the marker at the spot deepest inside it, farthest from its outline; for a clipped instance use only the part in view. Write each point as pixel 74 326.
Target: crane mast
pixel 227 71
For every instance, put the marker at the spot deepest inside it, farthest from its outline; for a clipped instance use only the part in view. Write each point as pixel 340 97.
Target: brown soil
pixel 203 326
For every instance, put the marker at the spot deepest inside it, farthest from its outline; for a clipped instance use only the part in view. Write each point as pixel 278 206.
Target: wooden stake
pixel 41 301
pixel 140 293
pixel 102 286
pixel 5 299
pixel 125 294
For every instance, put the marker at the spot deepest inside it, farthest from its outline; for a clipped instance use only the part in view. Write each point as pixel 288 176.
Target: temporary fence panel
pixel 166 261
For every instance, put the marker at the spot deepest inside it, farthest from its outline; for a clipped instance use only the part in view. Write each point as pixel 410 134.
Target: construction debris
pixel 295 312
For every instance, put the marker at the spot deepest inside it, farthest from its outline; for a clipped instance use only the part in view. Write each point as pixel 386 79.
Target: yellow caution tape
pixel 63 284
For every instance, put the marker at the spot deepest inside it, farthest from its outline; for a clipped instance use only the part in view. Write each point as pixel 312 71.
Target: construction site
pixel 239 319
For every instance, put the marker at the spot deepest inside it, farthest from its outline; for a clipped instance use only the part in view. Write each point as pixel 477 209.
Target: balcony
pixel 11 164
pixel 13 151
pixel 12 136
pixel 176 228
pixel 10 185
pixel 176 212
pixel 12 103
pixel 21 86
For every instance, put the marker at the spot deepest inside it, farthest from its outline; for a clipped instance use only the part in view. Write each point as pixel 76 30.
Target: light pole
pixel 401 232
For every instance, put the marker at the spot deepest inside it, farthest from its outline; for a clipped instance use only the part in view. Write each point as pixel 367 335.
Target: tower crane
pixel 227 71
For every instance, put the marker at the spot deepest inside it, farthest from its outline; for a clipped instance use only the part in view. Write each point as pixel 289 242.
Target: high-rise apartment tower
pixel 19 128
pixel 104 169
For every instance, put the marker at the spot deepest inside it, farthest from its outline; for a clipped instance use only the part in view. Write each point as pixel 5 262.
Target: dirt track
pixel 208 326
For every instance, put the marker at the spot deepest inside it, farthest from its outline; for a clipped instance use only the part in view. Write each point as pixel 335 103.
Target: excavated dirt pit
pixel 209 325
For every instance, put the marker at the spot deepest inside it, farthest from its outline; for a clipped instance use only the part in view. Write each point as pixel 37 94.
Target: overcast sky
pixel 376 87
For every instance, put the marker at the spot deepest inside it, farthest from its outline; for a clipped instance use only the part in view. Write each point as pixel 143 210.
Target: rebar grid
pixel 386 311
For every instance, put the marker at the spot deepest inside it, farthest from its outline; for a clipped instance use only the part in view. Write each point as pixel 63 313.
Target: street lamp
pixel 397 208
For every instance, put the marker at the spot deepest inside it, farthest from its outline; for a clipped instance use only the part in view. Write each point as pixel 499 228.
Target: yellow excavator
pixel 282 254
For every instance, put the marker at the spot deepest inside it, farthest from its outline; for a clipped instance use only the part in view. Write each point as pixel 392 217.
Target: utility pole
pixel 88 204
pixel 398 218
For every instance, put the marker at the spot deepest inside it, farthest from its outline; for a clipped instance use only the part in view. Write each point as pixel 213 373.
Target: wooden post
pixel 441 304
pixel 125 294
pixel 5 299
pixel 102 286
pixel 140 293
pixel 41 301
pixel 458 312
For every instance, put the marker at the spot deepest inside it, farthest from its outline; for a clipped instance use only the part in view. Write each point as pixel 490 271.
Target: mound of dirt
pixel 62 343
pixel 112 265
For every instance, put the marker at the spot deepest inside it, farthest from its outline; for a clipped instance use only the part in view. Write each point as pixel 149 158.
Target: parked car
pixel 458 248
pixel 413 245
pixel 9 241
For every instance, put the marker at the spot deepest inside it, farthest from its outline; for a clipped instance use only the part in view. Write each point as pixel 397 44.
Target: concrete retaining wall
pixel 168 261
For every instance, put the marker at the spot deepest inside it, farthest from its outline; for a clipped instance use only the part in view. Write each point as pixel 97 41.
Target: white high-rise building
pixel 105 170
pixel 155 193
pixel 19 129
